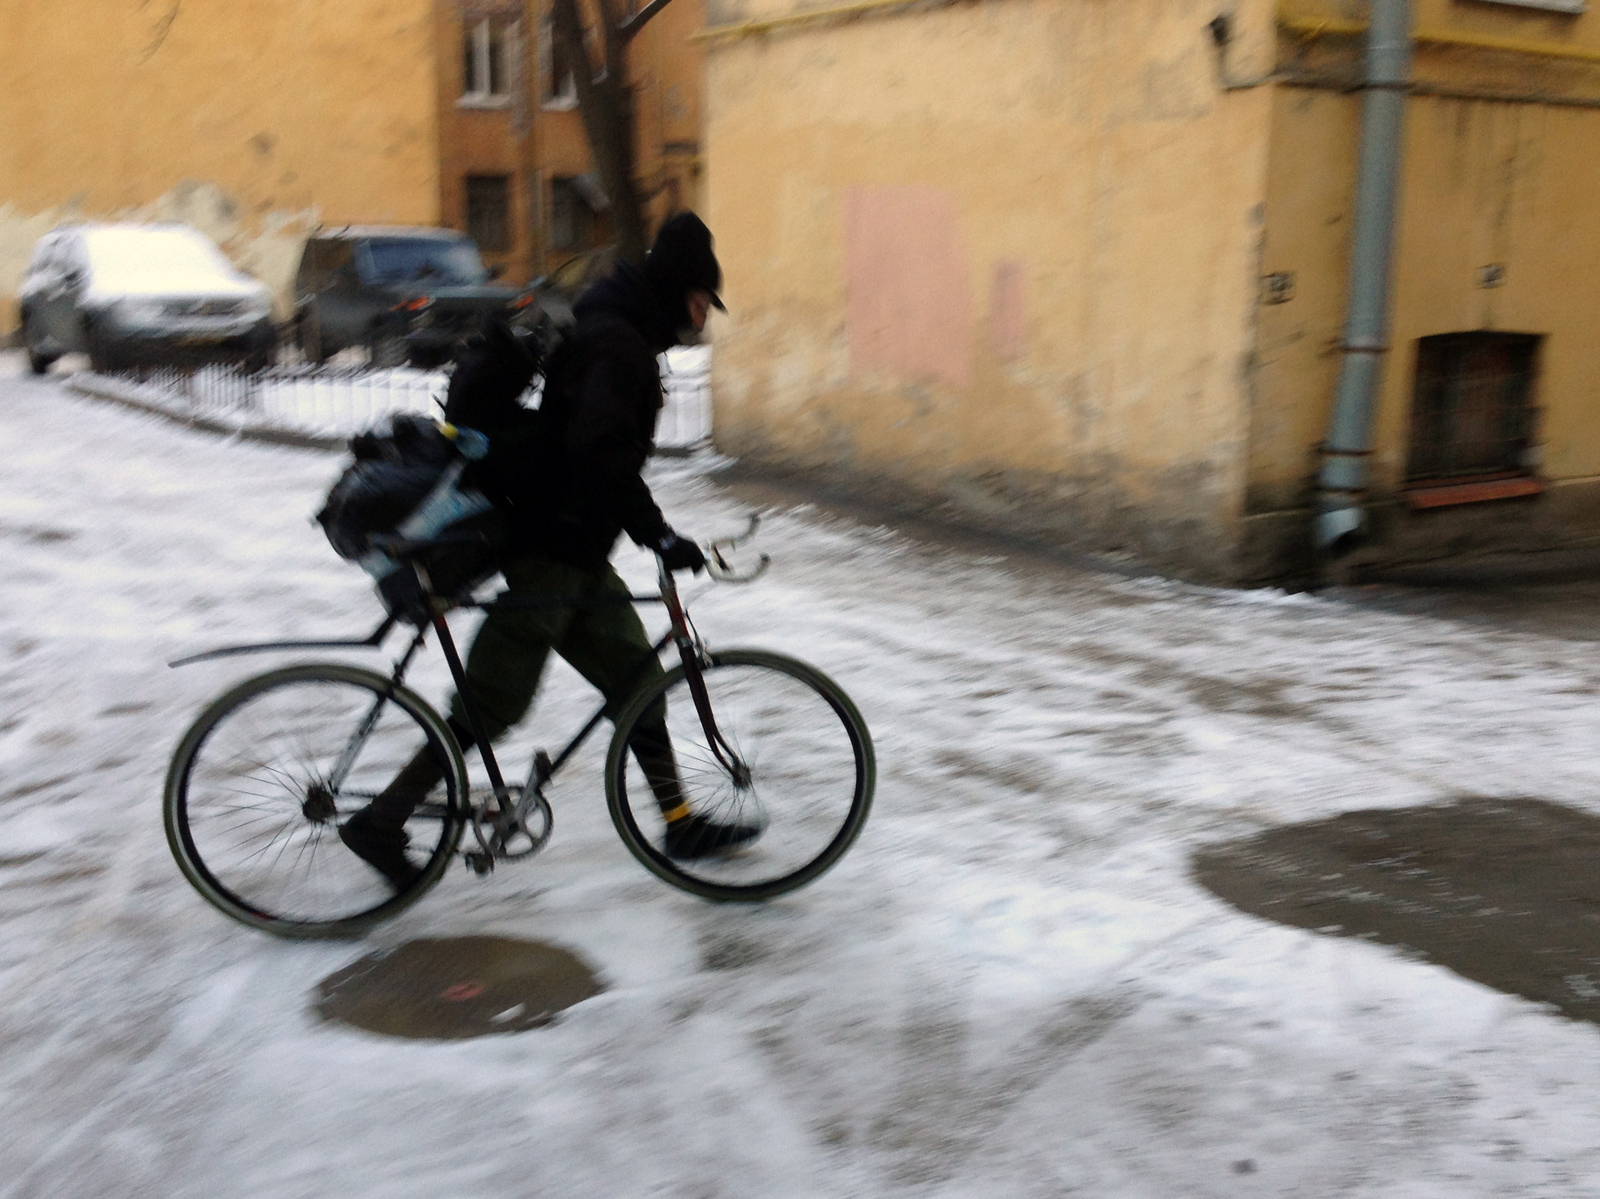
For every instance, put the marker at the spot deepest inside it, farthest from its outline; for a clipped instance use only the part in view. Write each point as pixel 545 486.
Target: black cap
pixel 682 259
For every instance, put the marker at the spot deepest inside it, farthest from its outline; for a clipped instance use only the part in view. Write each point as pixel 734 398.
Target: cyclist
pixel 569 492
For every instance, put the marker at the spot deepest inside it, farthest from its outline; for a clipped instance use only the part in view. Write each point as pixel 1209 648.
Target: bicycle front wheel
pixel 779 748
pixel 262 780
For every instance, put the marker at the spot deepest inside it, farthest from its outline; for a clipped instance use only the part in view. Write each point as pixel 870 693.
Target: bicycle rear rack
pixel 373 641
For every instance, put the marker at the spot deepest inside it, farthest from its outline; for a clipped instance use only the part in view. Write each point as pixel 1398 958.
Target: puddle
pixel 456 988
pixel 1505 892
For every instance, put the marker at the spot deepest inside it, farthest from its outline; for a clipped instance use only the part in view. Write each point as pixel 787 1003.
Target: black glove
pixel 679 553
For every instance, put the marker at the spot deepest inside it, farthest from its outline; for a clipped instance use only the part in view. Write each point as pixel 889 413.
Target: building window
pixel 571 216
pixel 489 212
pixel 1472 412
pixel 557 90
pixel 486 61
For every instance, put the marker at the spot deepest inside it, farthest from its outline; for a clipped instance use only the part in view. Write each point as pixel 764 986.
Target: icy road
pixel 1012 986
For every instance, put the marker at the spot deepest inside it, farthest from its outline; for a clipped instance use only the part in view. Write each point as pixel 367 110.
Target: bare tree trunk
pixel 605 102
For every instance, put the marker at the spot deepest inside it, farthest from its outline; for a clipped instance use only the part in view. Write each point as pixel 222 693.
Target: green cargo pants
pixel 601 637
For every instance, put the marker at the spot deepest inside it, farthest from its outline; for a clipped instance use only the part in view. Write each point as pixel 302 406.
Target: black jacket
pixel 573 483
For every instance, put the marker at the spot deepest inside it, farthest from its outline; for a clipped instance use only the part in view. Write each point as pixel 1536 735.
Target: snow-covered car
pixel 141 295
pixel 402 293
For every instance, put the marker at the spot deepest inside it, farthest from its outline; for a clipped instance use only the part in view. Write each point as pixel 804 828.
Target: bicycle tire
pixel 247 814
pixel 812 774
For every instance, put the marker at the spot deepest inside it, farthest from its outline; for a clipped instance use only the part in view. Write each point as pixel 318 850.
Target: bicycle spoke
pixel 256 817
pixel 803 767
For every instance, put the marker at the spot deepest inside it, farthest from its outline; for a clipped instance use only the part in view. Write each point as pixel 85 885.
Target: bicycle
pixel 261 780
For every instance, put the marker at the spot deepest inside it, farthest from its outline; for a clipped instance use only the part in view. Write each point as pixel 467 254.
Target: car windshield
pixel 440 260
pixel 134 254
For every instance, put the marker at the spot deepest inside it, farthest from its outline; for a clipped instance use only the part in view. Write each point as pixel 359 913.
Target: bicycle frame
pixel 511 812
pixel 511 818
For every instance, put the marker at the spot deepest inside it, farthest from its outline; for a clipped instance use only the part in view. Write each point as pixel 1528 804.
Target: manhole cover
pixel 456 988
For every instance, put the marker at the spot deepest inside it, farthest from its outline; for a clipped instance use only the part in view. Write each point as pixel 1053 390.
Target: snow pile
pixel 161 260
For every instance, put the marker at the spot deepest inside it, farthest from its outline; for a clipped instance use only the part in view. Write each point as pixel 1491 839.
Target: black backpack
pixel 497 367
pixel 406 482
pixel 416 478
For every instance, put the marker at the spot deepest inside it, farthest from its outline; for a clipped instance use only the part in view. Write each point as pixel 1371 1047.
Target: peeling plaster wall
pixel 251 121
pixel 997 259
pixel 1484 182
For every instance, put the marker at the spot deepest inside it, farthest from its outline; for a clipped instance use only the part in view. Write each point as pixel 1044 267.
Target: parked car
pixel 403 294
pixel 141 295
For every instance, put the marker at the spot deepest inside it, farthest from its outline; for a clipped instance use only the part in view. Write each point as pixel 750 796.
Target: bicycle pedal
pixel 480 862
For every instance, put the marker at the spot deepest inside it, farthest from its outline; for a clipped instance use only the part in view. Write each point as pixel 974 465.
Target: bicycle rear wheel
pixel 262 780
pixel 795 761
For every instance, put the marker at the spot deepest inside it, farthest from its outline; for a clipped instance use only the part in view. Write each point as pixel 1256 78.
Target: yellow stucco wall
pixel 253 120
pixel 998 256
pixel 1484 182
pixel 669 70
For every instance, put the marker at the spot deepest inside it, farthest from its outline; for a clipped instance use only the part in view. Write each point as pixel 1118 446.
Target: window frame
pixel 480 36
pixel 580 216
pixel 507 222
pixel 549 98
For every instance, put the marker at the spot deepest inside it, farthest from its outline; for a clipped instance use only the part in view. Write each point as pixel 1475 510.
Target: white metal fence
pixel 337 401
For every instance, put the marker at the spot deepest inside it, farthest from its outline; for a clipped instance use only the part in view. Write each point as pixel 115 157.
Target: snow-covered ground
pixel 1011 986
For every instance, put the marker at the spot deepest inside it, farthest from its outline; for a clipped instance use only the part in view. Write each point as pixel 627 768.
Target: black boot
pixel 381 846
pixel 688 836
pixel 691 837
pixel 376 834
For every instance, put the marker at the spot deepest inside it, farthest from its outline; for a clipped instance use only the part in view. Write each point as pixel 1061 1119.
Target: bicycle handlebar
pixel 717 565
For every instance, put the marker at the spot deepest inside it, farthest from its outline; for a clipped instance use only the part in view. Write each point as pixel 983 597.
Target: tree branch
pixel 606 107
pixel 633 24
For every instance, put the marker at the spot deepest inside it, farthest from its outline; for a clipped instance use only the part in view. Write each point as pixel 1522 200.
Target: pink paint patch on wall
pixel 1008 314
pixel 910 308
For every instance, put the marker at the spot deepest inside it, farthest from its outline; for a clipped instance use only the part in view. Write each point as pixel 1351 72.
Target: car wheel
pixel 263 352
pixel 38 361
pixel 385 351
pixel 313 348
pixel 104 358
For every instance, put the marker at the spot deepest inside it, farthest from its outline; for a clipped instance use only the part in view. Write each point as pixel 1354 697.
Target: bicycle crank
pixel 529 830
pixel 514 824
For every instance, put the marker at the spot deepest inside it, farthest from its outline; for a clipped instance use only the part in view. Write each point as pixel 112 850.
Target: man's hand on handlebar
pixel 679 553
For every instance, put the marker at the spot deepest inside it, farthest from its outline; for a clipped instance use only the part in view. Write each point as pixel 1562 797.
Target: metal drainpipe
pixel 1342 485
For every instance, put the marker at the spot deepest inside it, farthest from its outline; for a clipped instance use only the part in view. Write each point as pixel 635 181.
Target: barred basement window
pixel 1473 418
pixel 489 212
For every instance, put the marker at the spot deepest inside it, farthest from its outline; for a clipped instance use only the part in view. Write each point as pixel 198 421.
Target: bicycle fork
pixel 690 651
